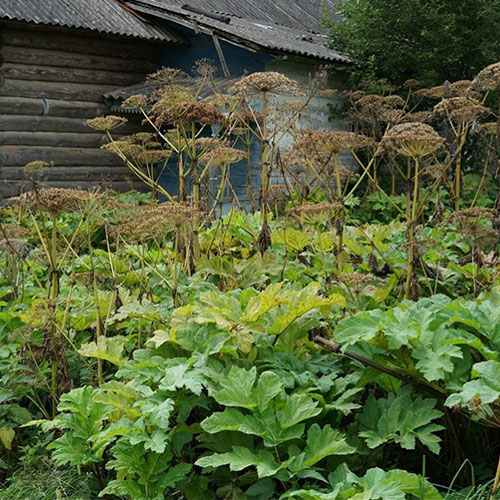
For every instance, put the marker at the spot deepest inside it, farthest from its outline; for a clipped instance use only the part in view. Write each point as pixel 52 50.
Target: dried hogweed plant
pixel 413 141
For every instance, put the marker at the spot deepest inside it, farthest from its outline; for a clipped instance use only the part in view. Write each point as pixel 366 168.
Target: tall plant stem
pixel 340 216
pixel 411 230
pixel 496 483
pixel 54 293
pixel 265 159
pixel 98 331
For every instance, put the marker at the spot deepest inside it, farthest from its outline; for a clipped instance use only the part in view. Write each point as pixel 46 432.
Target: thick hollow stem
pixel 411 231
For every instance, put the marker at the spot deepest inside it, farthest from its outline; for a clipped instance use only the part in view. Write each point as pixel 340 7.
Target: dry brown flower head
pixel 263 82
pixel 37 165
pixel 153 156
pixel 413 139
pixel 152 222
pixel 204 67
pixel 124 147
pixel 223 155
pixel 188 112
pixel 418 116
pixel 331 142
pixel 487 79
pixel 463 109
pixel 135 101
pixel 54 199
pixel 106 123
pixel 167 76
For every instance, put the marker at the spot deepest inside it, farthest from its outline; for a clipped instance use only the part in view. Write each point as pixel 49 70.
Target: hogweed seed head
pixel 487 79
pixel 413 139
pixel 263 82
pixel 106 123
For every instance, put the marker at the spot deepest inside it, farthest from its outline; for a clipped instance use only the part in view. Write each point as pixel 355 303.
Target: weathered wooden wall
pixel 51 80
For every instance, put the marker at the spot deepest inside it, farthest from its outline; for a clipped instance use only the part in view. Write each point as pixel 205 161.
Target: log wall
pixel 51 80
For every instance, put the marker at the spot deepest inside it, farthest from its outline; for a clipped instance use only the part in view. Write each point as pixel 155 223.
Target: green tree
pixel 431 40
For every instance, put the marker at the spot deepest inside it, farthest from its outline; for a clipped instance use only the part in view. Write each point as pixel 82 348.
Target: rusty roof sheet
pixel 252 33
pixel 102 16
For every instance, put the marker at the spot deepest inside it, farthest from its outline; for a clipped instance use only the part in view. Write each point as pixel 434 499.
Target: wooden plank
pixel 21 155
pixel 66 59
pixel 55 139
pixel 70 173
pixel 53 39
pixel 56 107
pixel 55 90
pixel 28 123
pixel 57 74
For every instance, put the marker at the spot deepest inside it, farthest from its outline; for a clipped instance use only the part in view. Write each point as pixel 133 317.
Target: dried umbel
pixel 417 116
pixel 413 139
pixel 142 223
pixel 153 156
pixel 263 82
pixel 54 199
pixel 124 147
pixel 487 79
pixel 315 213
pixel 167 76
pixel 187 112
pixel 331 142
pixel 490 128
pixel 463 109
pixel 106 123
pixel 223 155
pixel 135 101
pixel 204 67
pixel 37 165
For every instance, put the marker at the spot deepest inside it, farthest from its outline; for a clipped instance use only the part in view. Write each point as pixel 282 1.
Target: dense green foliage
pixel 341 343
pixel 431 40
pixel 224 394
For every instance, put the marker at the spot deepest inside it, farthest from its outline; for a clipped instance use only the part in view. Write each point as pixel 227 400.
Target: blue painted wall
pixel 238 59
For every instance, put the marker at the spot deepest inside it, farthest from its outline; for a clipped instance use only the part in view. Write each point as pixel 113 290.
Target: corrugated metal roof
pixel 299 14
pixel 103 16
pixel 252 33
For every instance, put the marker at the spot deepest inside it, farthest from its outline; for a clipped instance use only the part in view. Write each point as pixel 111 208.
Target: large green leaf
pixel 106 348
pixel 297 408
pixel 321 443
pixel 237 388
pixel 240 458
pixel 400 419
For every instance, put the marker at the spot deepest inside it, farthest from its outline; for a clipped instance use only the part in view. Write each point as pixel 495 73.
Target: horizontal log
pixel 21 155
pixel 56 74
pixel 51 39
pixel 27 123
pixel 55 90
pixel 56 139
pixel 65 59
pixel 56 107
pixel 69 173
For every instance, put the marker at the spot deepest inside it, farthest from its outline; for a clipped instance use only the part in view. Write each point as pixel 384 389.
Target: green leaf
pixel 364 326
pixel 240 458
pixel 400 419
pixel 237 388
pixel 7 436
pixel 109 349
pixel 297 408
pixel 268 387
pixel 232 420
pixel 322 443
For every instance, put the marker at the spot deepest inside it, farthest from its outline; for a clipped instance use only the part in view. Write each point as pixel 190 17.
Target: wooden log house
pixel 64 61
pixel 56 65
